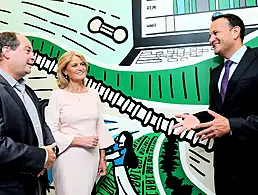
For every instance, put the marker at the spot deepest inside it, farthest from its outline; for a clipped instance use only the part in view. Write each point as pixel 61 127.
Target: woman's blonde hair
pixel 63 61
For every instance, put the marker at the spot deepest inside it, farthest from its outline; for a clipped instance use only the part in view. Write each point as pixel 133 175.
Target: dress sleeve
pixel 52 116
pixel 105 137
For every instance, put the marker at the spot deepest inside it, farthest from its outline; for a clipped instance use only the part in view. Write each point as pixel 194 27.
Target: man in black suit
pixel 26 142
pixel 232 117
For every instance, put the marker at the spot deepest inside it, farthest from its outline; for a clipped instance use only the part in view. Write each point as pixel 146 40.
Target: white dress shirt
pixel 235 58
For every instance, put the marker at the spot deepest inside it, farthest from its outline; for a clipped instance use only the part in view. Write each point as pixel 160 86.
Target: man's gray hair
pixel 8 39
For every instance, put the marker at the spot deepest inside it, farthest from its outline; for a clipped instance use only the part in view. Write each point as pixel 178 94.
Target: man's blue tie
pixel 224 82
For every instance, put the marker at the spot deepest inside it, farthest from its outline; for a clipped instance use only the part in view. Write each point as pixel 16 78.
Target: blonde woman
pixel 75 118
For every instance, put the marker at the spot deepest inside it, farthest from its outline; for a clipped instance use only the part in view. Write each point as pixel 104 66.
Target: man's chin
pixel 28 71
pixel 216 51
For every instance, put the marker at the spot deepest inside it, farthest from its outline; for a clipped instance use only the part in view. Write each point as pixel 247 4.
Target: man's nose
pixel 211 39
pixel 32 58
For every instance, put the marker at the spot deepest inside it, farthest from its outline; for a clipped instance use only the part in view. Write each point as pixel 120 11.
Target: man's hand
pixel 102 167
pixel 51 155
pixel 189 122
pixel 216 128
pixel 90 141
pixel 51 158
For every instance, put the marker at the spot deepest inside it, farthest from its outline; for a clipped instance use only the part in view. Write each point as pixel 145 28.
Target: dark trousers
pixel 227 183
pixel 27 186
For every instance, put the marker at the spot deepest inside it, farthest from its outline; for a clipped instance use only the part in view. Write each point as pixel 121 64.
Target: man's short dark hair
pixel 8 39
pixel 233 20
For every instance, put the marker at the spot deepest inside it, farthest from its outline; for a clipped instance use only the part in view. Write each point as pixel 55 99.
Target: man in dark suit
pixel 26 142
pixel 232 117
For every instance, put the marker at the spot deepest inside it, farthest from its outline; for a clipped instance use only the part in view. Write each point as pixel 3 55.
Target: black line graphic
pixel 79 45
pixel 46 8
pixel 150 143
pixel 102 12
pixel 143 171
pixel 62 26
pixel 3 22
pixel 31 25
pixel 197 170
pixel 184 85
pixel 43 90
pixel 117 80
pixel 124 191
pixel 194 159
pixel 131 78
pixel 197 83
pixel 160 87
pixel 51 51
pixel 32 78
pixel 171 86
pixel 149 85
pixel 6 11
pixel 58 53
pixel 30 14
pixel 42 45
pixel 97 41
pixel 109 121
pixel 115 17
pixel 81 5
pixel 105 75
pixel 200 156
pixel 88 71
pixel 58 0
pixel 112 129
pixel 140 144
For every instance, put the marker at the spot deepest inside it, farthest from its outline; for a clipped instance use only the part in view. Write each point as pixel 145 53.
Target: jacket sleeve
pixel 244 126
pixel 18 154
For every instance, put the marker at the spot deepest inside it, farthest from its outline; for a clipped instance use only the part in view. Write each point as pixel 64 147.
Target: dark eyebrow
pixel 28 47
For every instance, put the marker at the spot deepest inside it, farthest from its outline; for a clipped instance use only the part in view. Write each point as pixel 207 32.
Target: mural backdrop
pixel 149 60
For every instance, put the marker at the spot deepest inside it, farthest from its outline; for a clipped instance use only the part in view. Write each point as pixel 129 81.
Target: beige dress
pixel 72 115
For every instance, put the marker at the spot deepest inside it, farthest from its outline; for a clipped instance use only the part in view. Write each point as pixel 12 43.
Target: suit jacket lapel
pixel 242 66
pixel 16 98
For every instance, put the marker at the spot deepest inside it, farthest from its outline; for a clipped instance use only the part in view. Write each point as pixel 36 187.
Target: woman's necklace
pixel 77 94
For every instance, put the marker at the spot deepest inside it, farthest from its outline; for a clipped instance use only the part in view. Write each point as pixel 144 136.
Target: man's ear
pixel 236 31
pixel 6 52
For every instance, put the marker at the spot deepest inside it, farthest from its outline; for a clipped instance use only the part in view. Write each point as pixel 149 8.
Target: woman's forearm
pixel 102 154
pixel 77 141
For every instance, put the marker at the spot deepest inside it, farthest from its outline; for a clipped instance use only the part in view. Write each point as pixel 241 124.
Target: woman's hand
pixel 90 141
pixel 102 167
pixel 86 142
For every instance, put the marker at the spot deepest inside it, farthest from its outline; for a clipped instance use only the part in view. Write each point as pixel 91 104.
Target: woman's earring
pixel 67 77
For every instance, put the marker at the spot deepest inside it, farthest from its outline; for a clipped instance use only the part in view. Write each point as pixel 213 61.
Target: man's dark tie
pixel 224 81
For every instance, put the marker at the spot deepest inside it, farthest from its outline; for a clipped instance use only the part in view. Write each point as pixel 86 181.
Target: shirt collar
pixel 237 56
pixel 11 80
